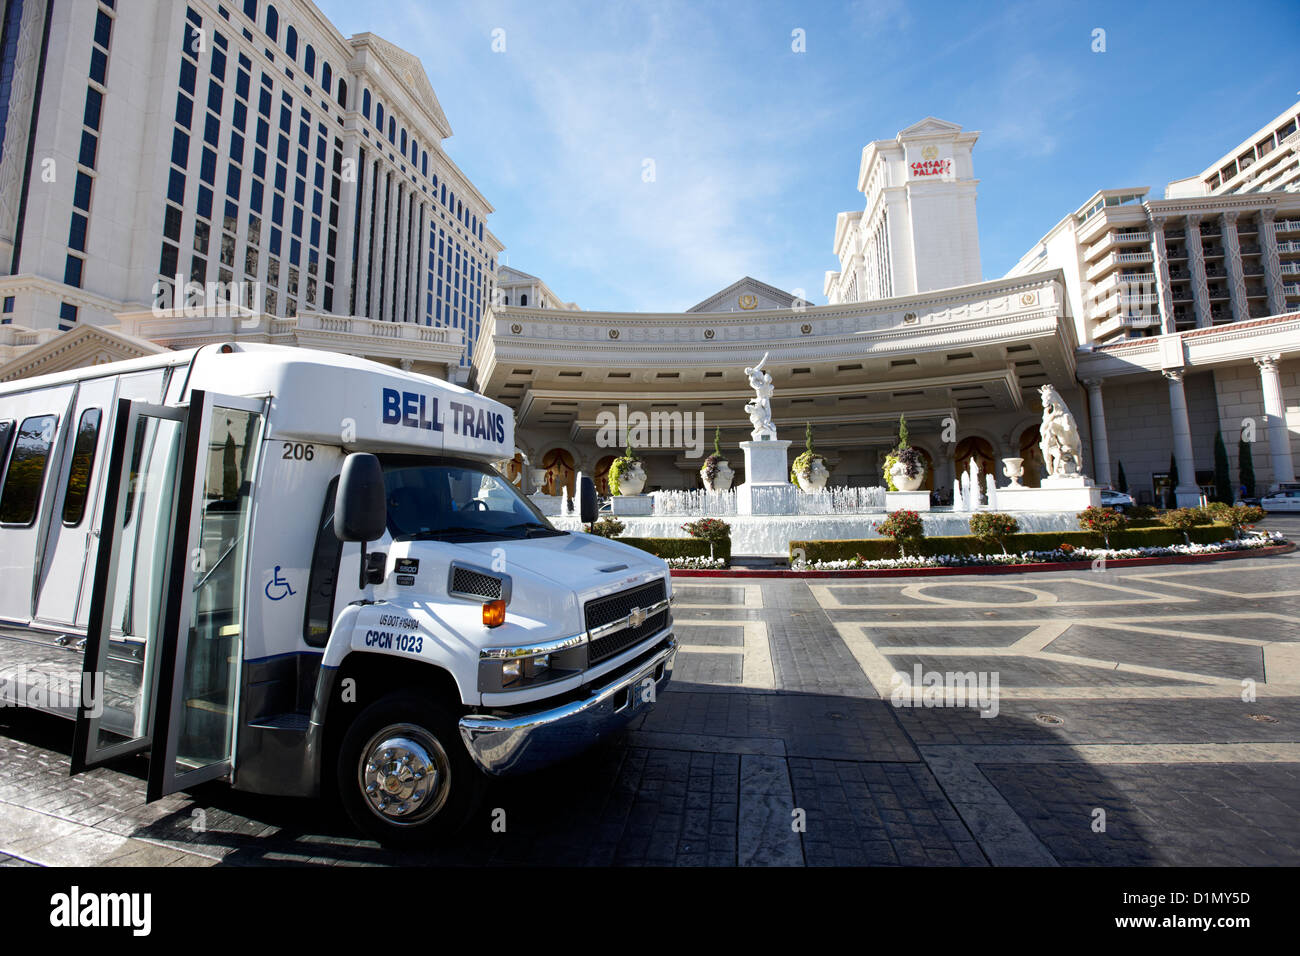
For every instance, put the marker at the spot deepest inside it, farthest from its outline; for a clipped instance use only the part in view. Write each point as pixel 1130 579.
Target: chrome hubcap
pixel 404 774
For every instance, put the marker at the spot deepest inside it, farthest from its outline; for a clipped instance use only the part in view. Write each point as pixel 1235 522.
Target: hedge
pixel 680 547
pixel 876 549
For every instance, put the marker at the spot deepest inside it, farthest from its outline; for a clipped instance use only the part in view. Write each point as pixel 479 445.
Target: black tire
pixel 425 733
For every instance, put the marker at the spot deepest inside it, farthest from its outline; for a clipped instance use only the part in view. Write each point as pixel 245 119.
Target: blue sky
pixel 756 147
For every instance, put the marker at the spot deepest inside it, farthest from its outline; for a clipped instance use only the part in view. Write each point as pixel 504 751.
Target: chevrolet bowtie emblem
pixel 636 617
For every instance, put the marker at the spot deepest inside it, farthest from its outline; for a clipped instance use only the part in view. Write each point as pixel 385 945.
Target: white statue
pixel 1059 436
pixel 760 409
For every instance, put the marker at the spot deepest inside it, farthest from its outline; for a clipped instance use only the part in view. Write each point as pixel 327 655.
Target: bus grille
pixel 608 609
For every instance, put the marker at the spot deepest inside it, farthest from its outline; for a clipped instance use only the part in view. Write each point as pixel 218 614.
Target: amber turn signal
pixel 494 613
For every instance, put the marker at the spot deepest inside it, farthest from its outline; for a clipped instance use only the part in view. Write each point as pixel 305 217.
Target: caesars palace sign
pixel 931 165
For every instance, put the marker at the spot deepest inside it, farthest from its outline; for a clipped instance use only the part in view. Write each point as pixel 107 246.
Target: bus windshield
pixel 446 498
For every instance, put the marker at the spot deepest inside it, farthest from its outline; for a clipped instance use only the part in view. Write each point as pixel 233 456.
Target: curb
pixel 993 568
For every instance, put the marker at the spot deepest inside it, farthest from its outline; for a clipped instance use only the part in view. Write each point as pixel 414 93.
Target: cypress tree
pixel 1222 477
pixel 1246 468
pixel 1122 480
pixel 1171 499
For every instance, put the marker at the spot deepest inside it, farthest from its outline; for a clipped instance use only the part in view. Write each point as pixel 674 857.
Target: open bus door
pixel 165 632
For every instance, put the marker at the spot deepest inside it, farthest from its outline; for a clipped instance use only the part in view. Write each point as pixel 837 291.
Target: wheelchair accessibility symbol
pixel 280 585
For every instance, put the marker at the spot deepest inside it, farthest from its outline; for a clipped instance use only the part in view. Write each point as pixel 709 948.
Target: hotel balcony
pixel 1141 321
pixel 1291 268
pixel 1286 225
pixel 1146 298
pixel 1291 289
pixel 1289 248
pixel 1114 260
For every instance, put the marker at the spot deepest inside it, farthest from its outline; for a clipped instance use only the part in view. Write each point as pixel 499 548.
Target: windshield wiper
pixel 528 527
pixel 456 529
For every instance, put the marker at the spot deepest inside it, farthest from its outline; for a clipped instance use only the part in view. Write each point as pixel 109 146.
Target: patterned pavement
pixel 1146 716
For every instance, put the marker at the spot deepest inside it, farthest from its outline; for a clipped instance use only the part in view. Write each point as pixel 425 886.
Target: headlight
pixel 514 668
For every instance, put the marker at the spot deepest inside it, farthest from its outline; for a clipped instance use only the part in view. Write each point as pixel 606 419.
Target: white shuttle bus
pixel 300 572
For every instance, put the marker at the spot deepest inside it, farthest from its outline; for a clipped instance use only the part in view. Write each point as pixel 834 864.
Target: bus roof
pixel 328 397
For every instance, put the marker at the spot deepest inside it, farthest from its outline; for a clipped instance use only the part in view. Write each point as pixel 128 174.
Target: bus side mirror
pixel 360 504
pixel 586 500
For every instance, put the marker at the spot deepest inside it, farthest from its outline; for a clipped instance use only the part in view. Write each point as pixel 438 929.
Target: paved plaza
pixel 1120 737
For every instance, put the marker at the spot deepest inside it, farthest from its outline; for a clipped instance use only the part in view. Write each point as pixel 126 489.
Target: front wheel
pixel 403 775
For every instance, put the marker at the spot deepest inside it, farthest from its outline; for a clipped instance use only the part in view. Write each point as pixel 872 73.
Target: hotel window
pixel 309 61
pixel 67 316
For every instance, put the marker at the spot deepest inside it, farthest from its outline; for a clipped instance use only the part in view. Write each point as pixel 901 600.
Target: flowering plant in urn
pixel 810 473
pixel 627 474
pixel 905 465
pixel 716 471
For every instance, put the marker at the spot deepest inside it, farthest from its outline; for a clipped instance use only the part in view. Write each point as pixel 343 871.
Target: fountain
pixel 767 489
pixel 766 513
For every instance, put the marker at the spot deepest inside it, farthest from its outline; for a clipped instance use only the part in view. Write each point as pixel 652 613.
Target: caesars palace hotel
pixel 1160 322
pixel 251 144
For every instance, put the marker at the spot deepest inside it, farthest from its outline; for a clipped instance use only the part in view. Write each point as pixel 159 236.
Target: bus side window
pixel 83 461
pixel 26 471
pixel 324 574
pixel 6 433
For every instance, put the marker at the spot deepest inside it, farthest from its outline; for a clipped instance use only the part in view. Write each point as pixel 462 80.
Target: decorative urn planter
pixel 815 481
pixel 627 477
pixel 716 473
pixel 1014 467
pixel 898 475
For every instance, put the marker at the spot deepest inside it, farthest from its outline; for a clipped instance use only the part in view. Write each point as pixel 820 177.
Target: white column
pixel 1187 494
pixel 1100 444
pixel 365 169
pixel 1160 266
pixel 403 249
pixel 375 294
pixel 1232 262
pixel 1272 266
pixel 1279 438
pixel 1196 263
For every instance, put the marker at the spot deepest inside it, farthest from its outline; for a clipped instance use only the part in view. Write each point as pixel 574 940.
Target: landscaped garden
pixel 995 540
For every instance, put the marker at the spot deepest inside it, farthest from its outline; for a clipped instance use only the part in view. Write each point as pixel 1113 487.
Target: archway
pixel 1033 456
pixel 601 477
pixel 928 484
pixel 979 449
pixel 514 469
pixel 560 471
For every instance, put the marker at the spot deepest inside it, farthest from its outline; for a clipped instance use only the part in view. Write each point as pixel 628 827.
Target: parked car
pixel 1286 500
pixel 1118 500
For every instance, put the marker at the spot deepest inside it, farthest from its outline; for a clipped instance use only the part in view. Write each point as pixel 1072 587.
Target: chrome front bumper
pixel 509 745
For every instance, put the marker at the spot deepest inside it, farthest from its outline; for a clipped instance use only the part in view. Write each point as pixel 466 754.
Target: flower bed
pixel 873 549
pixel 858 563
pixel 701 563
pixel 670 548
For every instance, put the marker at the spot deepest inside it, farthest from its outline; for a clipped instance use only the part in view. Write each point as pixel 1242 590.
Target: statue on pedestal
pixel 759 409
pixel 1059 436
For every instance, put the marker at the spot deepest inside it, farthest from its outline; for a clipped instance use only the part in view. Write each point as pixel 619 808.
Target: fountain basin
pixel 770 535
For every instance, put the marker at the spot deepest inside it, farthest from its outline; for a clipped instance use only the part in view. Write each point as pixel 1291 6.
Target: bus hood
pixel 585 563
